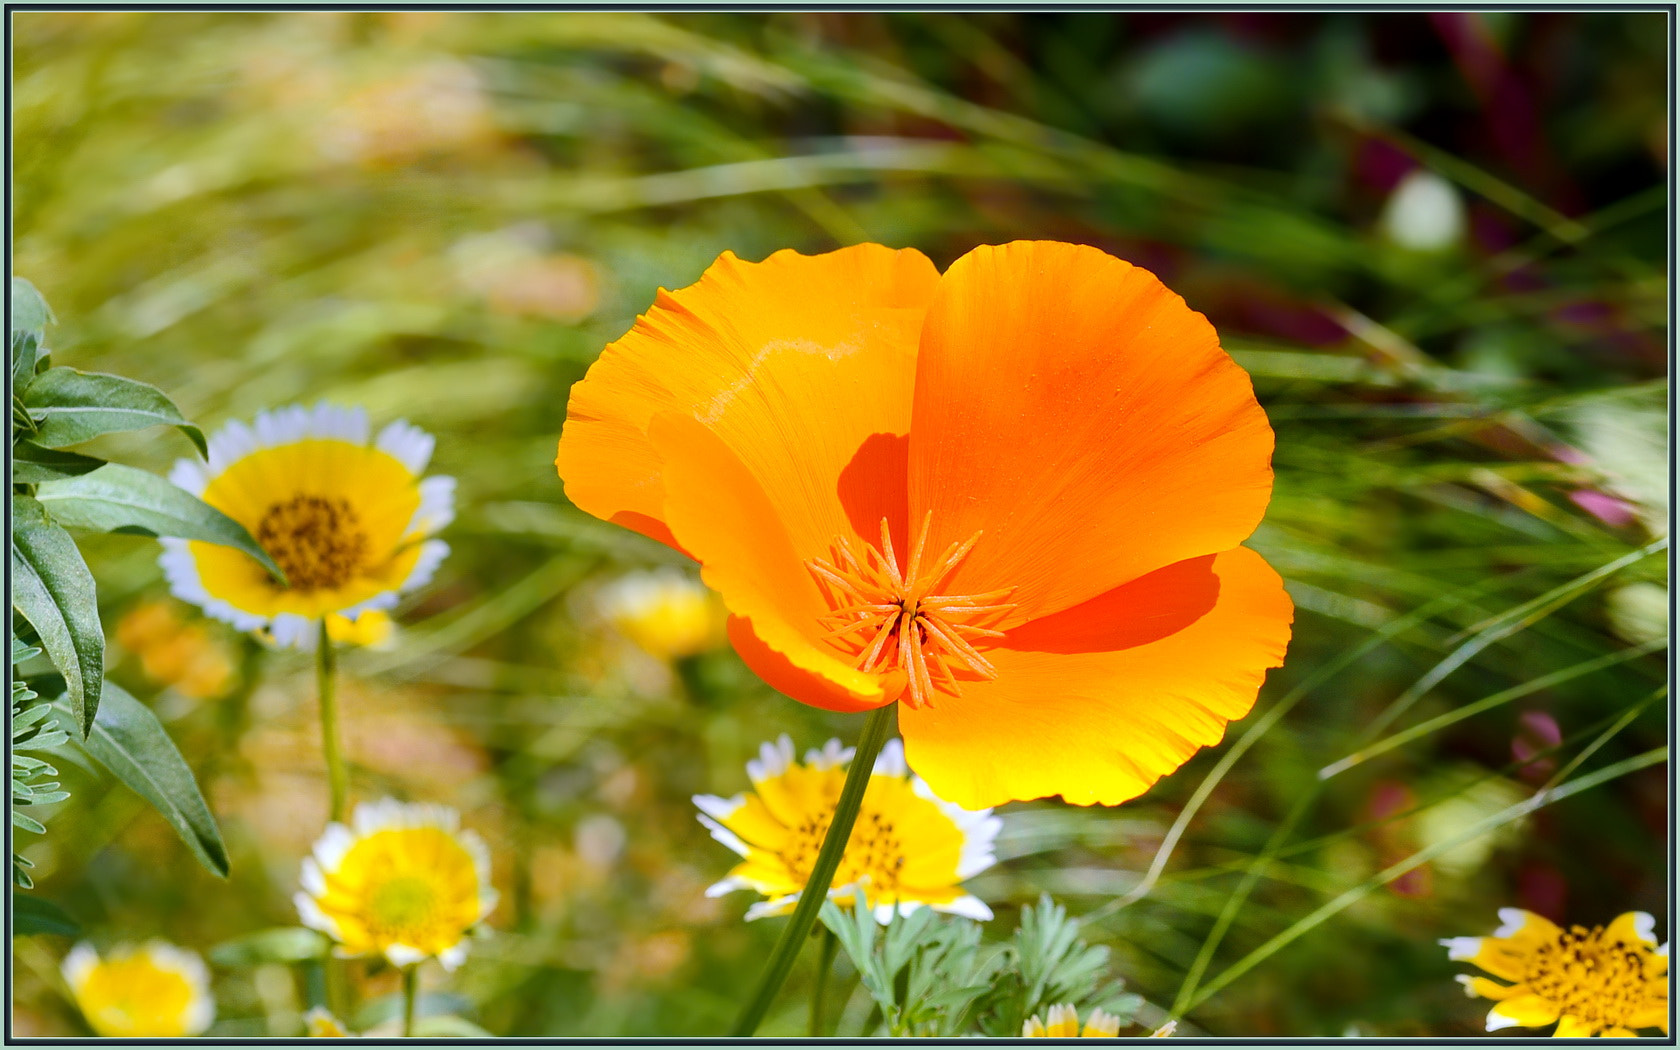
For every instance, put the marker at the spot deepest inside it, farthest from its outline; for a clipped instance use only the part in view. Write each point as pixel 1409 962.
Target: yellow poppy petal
pixel 763 354
pixel 1101 727
pixel 720 515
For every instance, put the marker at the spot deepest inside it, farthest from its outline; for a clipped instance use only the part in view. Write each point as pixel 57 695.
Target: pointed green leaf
pixel 33 915
pixel 53 590
pixel 28 823
pixel 32 464
pixel 70 407
pixel 116 497
pixel 128 740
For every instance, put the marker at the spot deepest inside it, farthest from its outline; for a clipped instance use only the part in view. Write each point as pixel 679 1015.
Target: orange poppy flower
pixel 1011 495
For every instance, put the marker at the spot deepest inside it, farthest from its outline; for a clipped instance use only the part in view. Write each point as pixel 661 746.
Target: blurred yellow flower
pixel 141 990
pixel 1607 980
pixel 403 882
pixel 319 1023
pixel 1064 1024
pixel 345 513
pixel 185 656
pixel 665 612
pixel 908 848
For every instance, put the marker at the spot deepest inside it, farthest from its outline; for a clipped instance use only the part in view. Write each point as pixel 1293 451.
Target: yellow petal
pixel 1526 1011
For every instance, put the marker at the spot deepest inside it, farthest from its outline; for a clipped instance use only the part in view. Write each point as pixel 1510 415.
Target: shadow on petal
pixel 1149 608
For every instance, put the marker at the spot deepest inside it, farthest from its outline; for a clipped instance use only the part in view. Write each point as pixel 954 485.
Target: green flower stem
pixel 337 778
pixel 825 963
pixel 336 973
pixel 411 993
pixel 822 873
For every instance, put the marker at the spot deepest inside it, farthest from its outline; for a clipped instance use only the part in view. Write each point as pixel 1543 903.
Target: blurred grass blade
pixel 53 590
pixel 1622 721
pixel 128 740
pixel 1501 626
pixel 1423 856
pixel 118 498
pixel 1488 703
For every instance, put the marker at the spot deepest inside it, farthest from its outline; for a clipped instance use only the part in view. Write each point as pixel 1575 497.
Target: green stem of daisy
pixel 811 898
pixel 336 973
pixel 338 779
pixel 825 963
pixel 411 994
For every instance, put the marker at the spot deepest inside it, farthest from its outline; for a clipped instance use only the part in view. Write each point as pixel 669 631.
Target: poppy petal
pixel 719 513
pixel 782 675
pixel 795 361
pixel 1075 409
pixel 1101 727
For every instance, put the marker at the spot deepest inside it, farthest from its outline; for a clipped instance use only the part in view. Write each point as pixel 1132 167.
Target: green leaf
pixel 26 357
pixel 70 407
pixel 33 465
pixel 53 590
pixel 116 497
pixel 30 317
pixel 33 915
pixel 28 823
pixel 282 944
pixel 30 312
pixel 128 740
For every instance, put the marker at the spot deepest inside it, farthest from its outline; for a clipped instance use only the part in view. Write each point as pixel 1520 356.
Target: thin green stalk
pixel 338 780
pixel 825 963
pixel 411 994
pixel 822 873
pixel 335 972
pixel 1488 703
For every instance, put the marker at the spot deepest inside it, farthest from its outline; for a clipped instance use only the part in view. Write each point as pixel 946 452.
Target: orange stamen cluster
pixel 886 618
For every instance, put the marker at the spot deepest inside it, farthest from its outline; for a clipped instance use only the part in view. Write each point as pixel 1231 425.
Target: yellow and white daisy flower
pixel 1064 1024
pixel 666 612
pixel 403 881
pixel 343 512
pixel 141 990
pixel 909 848
pixel 1610 980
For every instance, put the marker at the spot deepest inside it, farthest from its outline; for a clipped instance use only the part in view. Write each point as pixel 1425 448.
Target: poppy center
pixel 886 618
pixel 1589 976
pixel 318 542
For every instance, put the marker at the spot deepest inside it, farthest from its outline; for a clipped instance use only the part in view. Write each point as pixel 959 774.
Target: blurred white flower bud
pixel 1424 214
